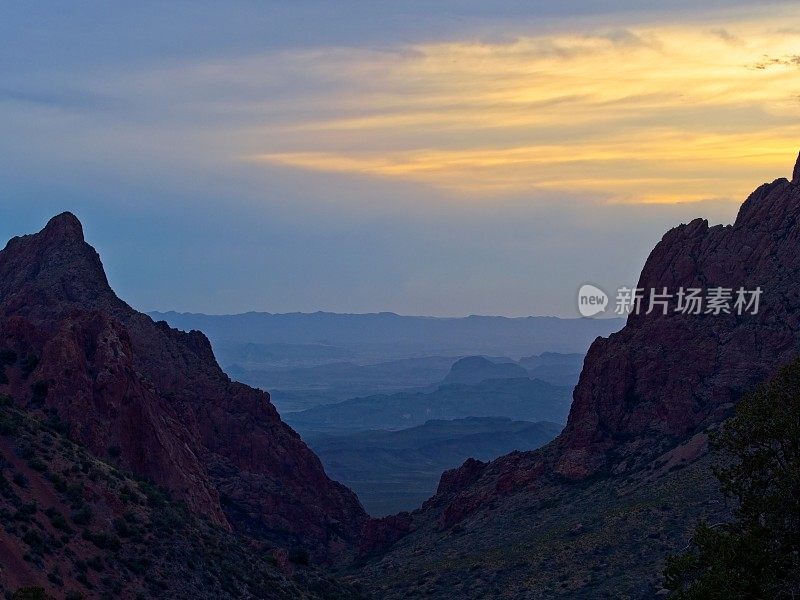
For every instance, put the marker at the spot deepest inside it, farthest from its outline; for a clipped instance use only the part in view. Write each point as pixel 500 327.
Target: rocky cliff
pixel 668 375
pixel 594 513
pixel 153 400
pixel 664 378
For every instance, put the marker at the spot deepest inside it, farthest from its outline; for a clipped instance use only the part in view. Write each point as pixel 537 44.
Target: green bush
pixel 758 554
pixel 8 357
pixel 28 365
pixel 31 593
pixel 82 516
pixel 299 556
pixel 39 391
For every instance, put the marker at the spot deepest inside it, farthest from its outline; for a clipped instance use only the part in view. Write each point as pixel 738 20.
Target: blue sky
pixel 444 158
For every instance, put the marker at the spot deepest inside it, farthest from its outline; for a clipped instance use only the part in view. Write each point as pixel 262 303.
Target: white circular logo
pixel 591 300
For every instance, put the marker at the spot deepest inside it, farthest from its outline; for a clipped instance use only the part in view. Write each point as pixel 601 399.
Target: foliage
pixel 758 554
pixel 28 365
pixel 155 549
pixel 31 593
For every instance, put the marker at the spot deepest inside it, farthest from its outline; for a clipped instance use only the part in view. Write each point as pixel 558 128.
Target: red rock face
pixel 663 378
pixel 154 400
pixel 667 375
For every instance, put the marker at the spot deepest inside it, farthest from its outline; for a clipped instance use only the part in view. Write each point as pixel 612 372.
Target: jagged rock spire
pixel 796 173
pixel 65 226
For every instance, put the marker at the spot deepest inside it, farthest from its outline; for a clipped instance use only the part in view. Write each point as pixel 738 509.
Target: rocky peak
pixel 664 378
pixel 56 266
pixel 667 376
pixel 153 399
pixel 796 173
pixel 64 228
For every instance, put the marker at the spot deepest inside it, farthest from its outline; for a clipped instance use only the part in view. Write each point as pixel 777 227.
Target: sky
pixel 447 158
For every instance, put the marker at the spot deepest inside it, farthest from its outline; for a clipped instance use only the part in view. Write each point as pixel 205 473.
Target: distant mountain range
pixel 383 336
pixel 473 407
pixel 300 387
pixel 138 397
pixel 594 513
pixel 294 389
pixel 522 398
pixel 131 465
pixel 558 369
pixel 393 471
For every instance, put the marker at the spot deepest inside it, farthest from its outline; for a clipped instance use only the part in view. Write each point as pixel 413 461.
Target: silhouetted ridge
pixel 158 398
pixel 64 227
pixel 796 173
pixel 665 378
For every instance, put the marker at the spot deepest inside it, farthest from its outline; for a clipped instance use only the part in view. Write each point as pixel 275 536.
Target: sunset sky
pixel 440 158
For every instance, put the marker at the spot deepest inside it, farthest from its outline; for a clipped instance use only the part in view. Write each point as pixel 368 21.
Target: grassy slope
pixel 73 524
pixel 601 539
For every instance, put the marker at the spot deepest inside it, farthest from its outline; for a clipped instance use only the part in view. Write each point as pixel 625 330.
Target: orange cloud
pixel 645 114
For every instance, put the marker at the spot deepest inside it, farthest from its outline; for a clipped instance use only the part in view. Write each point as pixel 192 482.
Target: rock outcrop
pixel 665 377
pixel 474 369
pixel 153 399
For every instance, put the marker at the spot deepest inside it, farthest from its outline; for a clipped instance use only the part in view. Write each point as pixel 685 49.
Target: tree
pixel 758 554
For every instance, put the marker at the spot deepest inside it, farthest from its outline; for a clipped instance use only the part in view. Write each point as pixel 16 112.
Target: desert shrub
pixel 82 516
pixel 8 357
pixel 28 365
pixel 57 520
pixel 37 465
pixel 758 554
pixel 103 540
pixel 7 425
pixel 299 556
pixel 39 391
pixel 31 593
pixel 55 423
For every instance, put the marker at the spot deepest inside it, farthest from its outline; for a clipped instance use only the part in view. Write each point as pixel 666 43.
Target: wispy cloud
pixel 641 114
pixel 62 99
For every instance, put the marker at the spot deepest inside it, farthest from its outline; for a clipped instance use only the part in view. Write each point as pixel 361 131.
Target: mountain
pixel 393 471
pixel 522 399
pixel 74 526
pixel 474 369
pixel 298 388
pixel 595 511
pixel 555 368
pixel 666 376
pixel 153 400
pixel 248 355
pixel 381 337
